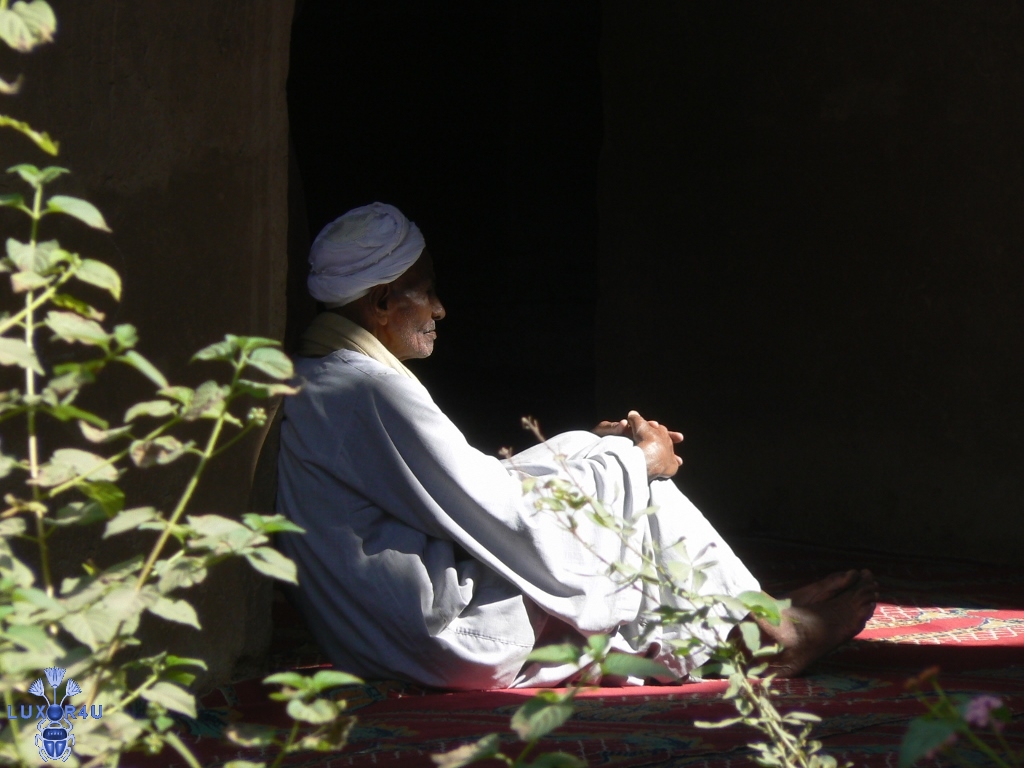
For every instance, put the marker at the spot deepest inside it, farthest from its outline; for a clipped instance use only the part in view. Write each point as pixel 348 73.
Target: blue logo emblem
pixel 55 738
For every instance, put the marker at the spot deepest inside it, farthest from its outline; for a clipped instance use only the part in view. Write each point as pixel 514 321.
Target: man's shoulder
pixel 342 363
pixel 351 374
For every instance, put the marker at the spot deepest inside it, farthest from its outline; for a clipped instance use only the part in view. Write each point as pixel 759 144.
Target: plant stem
pixel 38 301
pixel 186 497
pixel 1006 747
pixel 287 744
pixel 179 509
pixel 153 679
pixel 179 746
pixel 15 731
pixel 986 749
pixel 59 489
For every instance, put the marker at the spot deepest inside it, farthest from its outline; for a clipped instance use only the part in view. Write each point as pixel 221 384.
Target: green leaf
pixel 79 513
pixel 328 738
pixel 803 717
pixel 172 697
pixel 179 611
pixel 25 257
pixel 751 635
pixel 249 343
pixel 565 653
pixel 763 606
pixel 126 335
pixel 107 495
pixel 260 389
pixel 99 274
pixel 208 402
pixel 31 638
pixel 129 520
pixel 270 523
pixel 7 463
pixel 23 282
pixel 220 350
pixel 556 760
pixel 82 210
pixel 183 661
pixel 12 201
pixel 155 408
pixel 539 716
pixel 28 172
pixel 94 626
pixel 160 450
pixel 183 395
pixel 272 362
pixel 597 645
pixel 924 735
pixel 183 572
pixel 66 412
pixel 243 764
pixel 41 138
pixel 72 327
pixel 94 435
pixel 69 463
pixel 330 678
pixel 272 563
pixel 143 366
pixel 248 735
pixel 17 352
pixel 727 722
pixel 625 665
pixel 33 176
pixel 467 754
pixel 316 712
pixel 67 301
pixel 290 679
pixel 42 23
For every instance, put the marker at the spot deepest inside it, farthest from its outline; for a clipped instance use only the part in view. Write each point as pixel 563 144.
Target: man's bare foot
pixel 826 588
pixel 811 630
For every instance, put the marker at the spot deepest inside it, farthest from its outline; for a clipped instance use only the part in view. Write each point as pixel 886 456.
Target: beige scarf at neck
pixel 330 332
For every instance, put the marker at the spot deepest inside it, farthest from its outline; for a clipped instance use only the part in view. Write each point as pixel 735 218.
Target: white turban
pixel 367 246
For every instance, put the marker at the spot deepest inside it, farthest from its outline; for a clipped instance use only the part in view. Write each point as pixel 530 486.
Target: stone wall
pixel 172 119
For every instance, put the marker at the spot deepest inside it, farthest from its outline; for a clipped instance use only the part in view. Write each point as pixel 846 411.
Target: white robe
pixel 423 560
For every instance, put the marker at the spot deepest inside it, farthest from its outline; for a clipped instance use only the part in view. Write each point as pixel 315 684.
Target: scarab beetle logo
pixel 55 738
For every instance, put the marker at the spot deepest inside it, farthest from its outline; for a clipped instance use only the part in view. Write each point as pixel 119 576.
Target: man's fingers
pixel 635 421
pixel 620 427
pixel 677 437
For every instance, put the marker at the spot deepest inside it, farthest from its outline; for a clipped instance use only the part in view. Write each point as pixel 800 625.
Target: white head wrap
pixel 367 246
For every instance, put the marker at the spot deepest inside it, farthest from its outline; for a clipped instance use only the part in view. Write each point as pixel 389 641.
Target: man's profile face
pixel 413 310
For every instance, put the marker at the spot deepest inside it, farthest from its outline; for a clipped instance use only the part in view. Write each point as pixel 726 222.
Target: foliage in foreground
pixel 954 726
pixel 82 630
pixel 742 658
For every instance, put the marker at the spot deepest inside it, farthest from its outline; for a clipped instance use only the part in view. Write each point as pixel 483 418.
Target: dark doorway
pixel 482 122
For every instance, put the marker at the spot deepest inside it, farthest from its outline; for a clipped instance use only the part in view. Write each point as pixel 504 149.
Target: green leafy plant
pixel 308 702
pixel 954 725
pixel 86 625
pixel 742 658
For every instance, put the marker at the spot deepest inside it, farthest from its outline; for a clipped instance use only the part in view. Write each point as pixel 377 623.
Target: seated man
pixel 422 558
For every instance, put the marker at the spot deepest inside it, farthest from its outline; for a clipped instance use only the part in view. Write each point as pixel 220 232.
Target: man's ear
pixel 379 296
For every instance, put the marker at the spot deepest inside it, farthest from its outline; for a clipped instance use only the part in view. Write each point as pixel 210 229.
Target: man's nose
pixel 439 311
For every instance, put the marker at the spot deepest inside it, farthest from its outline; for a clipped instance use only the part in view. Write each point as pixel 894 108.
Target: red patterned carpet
pixel 968 619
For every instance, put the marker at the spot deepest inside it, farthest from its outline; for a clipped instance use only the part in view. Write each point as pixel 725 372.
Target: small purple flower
pixel 979 709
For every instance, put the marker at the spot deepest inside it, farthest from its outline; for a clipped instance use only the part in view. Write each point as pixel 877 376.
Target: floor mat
pixel 966 618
